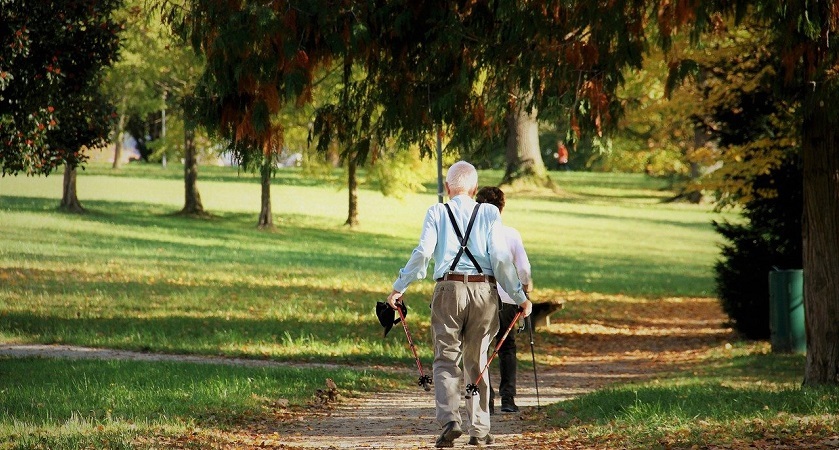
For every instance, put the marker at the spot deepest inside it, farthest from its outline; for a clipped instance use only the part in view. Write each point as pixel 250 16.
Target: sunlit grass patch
pixel 61 401
pixel 78 432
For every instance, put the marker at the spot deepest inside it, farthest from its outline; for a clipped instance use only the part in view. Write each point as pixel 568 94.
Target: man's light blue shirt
pixel 439 241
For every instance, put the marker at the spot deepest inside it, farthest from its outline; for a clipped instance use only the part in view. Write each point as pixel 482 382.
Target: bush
pixel 770 239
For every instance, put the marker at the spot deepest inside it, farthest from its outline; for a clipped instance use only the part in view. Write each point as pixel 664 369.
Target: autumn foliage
pixel 409 65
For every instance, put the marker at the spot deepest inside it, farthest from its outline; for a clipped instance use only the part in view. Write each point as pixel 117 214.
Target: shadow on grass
pixel 632 346
pixel 236 318
pixel 638 221
pixel 299 339
pixel 640 274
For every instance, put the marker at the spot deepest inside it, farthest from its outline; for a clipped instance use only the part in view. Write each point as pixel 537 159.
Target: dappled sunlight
pixel 744 383
pixel 596 329
pixel 609 338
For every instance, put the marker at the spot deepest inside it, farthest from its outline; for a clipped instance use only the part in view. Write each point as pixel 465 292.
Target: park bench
pixel 542 312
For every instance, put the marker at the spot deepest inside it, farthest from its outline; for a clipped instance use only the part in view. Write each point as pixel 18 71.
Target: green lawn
pixel 130 274
pixel 746 398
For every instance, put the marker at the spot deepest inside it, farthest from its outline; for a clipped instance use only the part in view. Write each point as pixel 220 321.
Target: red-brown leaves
pixel 575 125
pixel 593 90
pixel 674 13
pixel 271 97
pixel 580 54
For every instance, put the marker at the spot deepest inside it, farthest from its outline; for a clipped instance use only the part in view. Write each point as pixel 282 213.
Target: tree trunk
pixel 820 150
pixel 192 199
pixel 352 185
pixel 120 134
pixel 525 167
pixel 70 200
pixel 118 148
pixel 691 190
pixel 700 138
pixel 265 218
pixel 333 156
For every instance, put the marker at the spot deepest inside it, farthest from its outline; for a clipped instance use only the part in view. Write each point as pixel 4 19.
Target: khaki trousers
pixel 464 319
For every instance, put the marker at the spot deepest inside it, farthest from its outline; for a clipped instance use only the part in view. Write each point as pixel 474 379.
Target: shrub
pixel 769 239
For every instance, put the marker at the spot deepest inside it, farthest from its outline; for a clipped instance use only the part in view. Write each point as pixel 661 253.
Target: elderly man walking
pixel 470 255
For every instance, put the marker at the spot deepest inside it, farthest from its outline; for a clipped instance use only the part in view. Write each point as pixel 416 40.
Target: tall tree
pixel 133 80
pixel 192 198
pixel 51 57
pixel 179 81
pixel 523 153
pixel 350 132
pixel 84 121
pixel 805 38
pixel 259 56
pixel 157 72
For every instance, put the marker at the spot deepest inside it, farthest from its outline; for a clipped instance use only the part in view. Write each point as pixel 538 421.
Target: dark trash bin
pixel 786 311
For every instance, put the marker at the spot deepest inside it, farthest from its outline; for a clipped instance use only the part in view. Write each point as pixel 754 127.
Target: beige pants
pixel 464 319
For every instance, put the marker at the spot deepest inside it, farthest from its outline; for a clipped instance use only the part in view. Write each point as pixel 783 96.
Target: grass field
pixel 130 274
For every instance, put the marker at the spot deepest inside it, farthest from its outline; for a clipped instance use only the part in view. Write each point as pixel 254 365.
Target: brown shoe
pixel 450 432
pixel 488 440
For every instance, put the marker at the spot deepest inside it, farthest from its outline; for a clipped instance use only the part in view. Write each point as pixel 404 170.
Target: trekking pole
pixel 533 355
pixel 472 388
pixel 424 380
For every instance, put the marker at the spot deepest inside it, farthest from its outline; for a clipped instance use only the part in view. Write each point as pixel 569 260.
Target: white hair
pixel 462 177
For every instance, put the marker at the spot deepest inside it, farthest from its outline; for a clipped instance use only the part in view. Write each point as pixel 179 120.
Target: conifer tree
pixel 259 56
pixel 805 40
pixel 482 69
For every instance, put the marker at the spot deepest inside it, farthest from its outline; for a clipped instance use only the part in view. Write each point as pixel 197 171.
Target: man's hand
pixel 396 295
pixel 527 307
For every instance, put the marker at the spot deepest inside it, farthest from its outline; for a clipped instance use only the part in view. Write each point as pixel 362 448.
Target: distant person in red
pixel 562 156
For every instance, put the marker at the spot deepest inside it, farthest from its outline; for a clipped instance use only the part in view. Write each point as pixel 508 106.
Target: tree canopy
pixel 467 64
pixel 460 65
pixel 51 55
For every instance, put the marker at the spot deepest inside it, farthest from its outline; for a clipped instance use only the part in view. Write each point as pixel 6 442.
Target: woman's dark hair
pixel 491 195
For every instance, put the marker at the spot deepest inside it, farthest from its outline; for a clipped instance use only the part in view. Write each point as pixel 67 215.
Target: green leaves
pixel 50 60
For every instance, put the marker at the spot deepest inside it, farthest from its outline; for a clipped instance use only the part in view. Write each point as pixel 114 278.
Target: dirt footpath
pixel 405 420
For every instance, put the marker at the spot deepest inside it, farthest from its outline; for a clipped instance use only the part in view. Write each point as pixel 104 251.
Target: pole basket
pixel 425 382
pixel 471 389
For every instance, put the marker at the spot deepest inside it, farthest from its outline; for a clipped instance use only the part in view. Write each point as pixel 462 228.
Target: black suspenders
pixel 463 238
